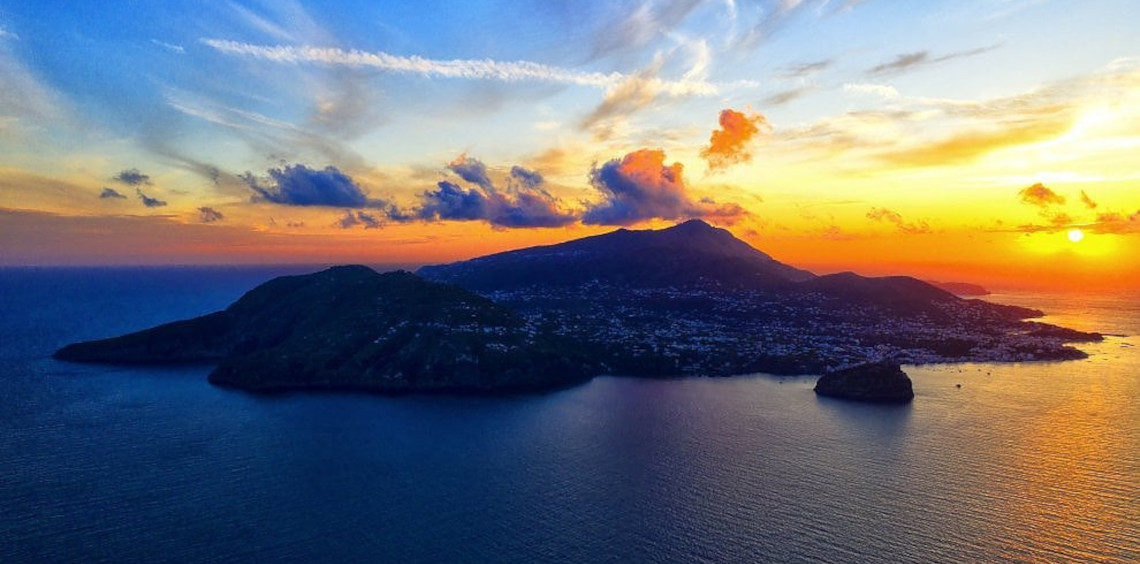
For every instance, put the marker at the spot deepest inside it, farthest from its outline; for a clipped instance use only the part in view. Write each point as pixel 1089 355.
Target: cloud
pixel 452 201
pixel 481 69
pixel 880 90
pixel 368 220
pixel 890 216
pixel 170 46
pixel 633 93
pixel 1041 196
pixel 969 145
pixel 299 185
pixel 148 201
pixel 207 214
pixel 351 219
pixel 911 61
pixel 527 178
pixel 644 23
pixel 471 170
pixel 1107 223
pixel 524 204
pixel 1115 223
pixel 132 177
pixel 729 144
pixel 804 70
pixel 1087 201
pixel 640 186
pixel 785 96
pixel 111 193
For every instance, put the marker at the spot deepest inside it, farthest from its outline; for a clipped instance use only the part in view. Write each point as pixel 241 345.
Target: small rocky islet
pixel 687 300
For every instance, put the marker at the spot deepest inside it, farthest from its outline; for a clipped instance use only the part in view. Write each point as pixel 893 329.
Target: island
pixel 691 299
pixel 881 381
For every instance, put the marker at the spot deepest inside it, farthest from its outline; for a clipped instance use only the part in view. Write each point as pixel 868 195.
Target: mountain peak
pixel 690 252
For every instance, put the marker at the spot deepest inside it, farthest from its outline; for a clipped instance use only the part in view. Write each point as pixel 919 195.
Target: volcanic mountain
pixel 689 299
pixel 687 253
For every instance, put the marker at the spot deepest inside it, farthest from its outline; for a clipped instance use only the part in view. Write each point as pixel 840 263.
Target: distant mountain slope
pixel 688 253
pixel 349 327
pixel 960 288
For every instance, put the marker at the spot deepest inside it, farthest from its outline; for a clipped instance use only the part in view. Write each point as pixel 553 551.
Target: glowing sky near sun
pixel 958 140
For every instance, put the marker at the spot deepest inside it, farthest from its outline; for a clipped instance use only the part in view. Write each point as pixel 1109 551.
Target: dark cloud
pixel 640 186
pixel 1040 195
pixel 111 193
pixel 132 177
pixel 368 220
pixel 299 185
pixel 451 201
pixel 207 214
pixel 527 178
pixel 148 201
pixel 729 145
pixel 1087 201
pixel 895 218
pixel 526 205
pixel 910 61
pixel 471 170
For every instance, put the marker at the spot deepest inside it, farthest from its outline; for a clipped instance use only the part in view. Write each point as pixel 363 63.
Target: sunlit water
pixel 1025 462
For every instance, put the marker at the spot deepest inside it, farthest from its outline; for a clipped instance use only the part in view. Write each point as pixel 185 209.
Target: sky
pixel 986 141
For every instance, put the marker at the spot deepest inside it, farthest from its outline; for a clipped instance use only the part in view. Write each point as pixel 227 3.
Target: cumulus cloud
pixel 524 204
pixel 132 177
pixel 640 186
pixel 207 214
pixel 148 201
pixel 885 215
pixel 1041 196
pixel 472 170
pixel 526 178
pixel 452 201
pixel 299 185
pixel 111 193
pixel 729 144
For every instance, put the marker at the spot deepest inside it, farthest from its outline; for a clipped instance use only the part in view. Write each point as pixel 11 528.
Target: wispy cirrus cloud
pixel 480 69
pixel 911 61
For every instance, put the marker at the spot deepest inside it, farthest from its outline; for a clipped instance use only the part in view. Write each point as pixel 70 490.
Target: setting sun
pixel 1076 235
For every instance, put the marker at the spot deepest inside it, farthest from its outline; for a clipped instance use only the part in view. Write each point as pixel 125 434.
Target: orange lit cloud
pixel 1040 195
pixel 729 144
pixel 970 145
pixel 895 218
pixel 640 187
pixel 1087 201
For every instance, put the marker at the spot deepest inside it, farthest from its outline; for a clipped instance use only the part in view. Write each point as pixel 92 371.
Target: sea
pixel 1029 462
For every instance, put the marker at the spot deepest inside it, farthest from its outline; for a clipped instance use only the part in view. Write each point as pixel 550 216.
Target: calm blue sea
pixel 1022 463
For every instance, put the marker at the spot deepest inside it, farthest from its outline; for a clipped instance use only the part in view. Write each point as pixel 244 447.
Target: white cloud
pixel 170 46
pixel 880 90
pixel 484 69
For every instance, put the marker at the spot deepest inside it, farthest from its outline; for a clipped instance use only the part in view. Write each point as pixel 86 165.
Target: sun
pixel 1076 235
